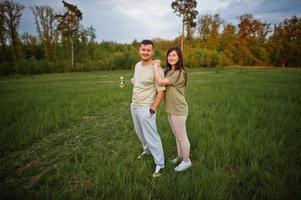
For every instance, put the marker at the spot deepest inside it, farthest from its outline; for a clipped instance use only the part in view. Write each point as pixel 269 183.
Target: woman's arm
pixel 158 78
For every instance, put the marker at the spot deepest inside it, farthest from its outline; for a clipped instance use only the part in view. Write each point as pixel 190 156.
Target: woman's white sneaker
pixel 183 166
pixel 176 160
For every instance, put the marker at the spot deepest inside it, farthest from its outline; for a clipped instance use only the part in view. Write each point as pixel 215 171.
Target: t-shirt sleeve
pixel 133 80
pixel 160 87
pixel 173 77
pixel 134 75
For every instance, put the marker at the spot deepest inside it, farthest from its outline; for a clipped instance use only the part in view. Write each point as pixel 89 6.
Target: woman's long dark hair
pixel 179 64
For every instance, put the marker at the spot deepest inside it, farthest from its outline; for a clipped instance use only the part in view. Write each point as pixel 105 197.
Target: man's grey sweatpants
pixel 146 130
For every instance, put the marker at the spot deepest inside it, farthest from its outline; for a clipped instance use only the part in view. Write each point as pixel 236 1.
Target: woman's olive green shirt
pixel 174 101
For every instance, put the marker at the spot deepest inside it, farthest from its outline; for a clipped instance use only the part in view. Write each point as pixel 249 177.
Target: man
pixel 146 98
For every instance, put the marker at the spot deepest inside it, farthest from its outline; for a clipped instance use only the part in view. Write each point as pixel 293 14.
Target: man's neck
pixel 147 62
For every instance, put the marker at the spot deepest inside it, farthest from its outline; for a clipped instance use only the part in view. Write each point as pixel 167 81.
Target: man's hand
pixel 152 111
pixel 159 97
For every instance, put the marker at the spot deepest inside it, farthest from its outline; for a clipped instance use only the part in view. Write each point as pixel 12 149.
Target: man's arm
pixel 159 97
pixel 134 76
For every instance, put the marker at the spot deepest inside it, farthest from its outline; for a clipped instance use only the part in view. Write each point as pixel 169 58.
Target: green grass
pixel 70 136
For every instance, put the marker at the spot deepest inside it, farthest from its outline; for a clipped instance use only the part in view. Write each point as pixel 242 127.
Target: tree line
pixel 63 44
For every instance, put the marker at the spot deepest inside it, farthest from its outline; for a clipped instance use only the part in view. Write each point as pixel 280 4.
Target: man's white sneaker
pixel 143 154
pixel 158 170
pixel 183 166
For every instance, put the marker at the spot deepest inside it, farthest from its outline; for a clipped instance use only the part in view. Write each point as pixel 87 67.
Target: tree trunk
pixel 3 53
pixel 72 53
pixel 49 50
pixel 182 36
pixel 16 55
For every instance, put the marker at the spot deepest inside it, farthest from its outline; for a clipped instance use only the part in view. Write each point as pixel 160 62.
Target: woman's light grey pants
pixel 146 130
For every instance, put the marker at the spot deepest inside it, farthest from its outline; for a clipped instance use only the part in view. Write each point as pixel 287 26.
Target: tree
pixel 228 41
pixel 12 13
pixel 186 9
pixel 214 32
pixel 285 43
pixel 189 33
pixel 204 26
pixel 30 44
pixel 2 33
pixel 68 25
pixel 45 22
pixel 91 33
pixel 251 41
pixel 208 27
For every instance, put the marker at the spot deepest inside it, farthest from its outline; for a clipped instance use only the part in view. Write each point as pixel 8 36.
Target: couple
pixel 151 85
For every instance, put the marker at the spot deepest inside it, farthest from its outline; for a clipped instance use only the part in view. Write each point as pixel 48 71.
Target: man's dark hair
pixel 146 42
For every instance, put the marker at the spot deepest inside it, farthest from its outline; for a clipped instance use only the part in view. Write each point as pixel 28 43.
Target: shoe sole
pixel 183 169
pixel 141 156
pixel 155 175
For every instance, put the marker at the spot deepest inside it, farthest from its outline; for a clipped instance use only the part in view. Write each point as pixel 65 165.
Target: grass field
pixel 70 136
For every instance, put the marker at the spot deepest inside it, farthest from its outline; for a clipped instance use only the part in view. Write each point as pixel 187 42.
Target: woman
pixel 175 104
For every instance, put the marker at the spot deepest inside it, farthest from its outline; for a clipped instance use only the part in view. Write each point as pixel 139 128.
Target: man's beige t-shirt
pixel 174 101
pixel 145 88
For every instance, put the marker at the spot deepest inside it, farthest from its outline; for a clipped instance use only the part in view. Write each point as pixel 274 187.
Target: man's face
pixel 146 52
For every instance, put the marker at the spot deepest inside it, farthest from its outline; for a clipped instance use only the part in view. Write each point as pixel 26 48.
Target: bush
pixel 6 69
pixel 34 66
pixel 224 60
pixel 261 55
pixel 30 66
pixel 205 58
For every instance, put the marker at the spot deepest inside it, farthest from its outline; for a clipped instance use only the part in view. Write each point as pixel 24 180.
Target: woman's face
pixel 173 58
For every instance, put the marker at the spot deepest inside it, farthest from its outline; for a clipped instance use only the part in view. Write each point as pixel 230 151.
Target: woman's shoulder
pixel 184 71
pixel 178 72
pixel 181 72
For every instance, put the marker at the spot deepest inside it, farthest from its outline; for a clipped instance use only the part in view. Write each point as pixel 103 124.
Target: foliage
pixel 284 45
pixel 11 13
pixel 45 22
pixel 205 58
pixel 62 38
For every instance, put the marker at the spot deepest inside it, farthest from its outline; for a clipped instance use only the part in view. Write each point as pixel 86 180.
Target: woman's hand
pixel 156 63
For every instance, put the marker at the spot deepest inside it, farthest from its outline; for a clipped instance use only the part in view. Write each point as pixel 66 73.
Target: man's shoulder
pixel 138 66
pixel 138 63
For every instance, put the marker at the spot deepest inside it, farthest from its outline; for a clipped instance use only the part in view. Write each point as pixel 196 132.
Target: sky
pixel 123 21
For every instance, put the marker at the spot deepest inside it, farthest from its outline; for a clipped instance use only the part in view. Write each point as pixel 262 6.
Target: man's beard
pixel 146 60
